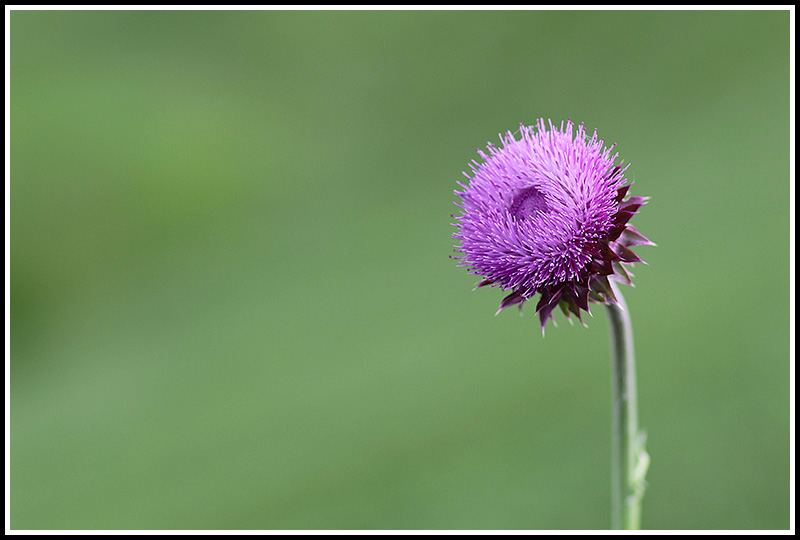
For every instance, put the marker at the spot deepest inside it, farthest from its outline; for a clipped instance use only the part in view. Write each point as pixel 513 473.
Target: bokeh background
pixel 232 300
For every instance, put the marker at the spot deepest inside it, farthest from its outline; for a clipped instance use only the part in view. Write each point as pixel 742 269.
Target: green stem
pixel 629 459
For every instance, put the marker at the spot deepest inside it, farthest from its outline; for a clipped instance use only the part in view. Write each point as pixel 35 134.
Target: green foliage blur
pixel 232 300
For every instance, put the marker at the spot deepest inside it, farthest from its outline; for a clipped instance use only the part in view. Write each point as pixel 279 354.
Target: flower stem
pixel 629 461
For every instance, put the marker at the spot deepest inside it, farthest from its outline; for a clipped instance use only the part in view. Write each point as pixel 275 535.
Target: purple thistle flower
pixel 545 214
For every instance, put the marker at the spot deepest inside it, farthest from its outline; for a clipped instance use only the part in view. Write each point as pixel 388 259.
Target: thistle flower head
pixel 548 214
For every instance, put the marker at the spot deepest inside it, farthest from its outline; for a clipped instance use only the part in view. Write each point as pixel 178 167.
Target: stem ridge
pixel 630 460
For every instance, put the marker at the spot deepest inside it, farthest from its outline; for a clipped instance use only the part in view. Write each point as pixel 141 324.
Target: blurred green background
pixel 233 307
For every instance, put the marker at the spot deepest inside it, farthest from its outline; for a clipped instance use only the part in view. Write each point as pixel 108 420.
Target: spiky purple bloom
pixel 547 214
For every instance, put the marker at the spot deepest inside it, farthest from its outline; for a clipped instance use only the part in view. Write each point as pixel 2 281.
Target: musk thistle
pixel 548 214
